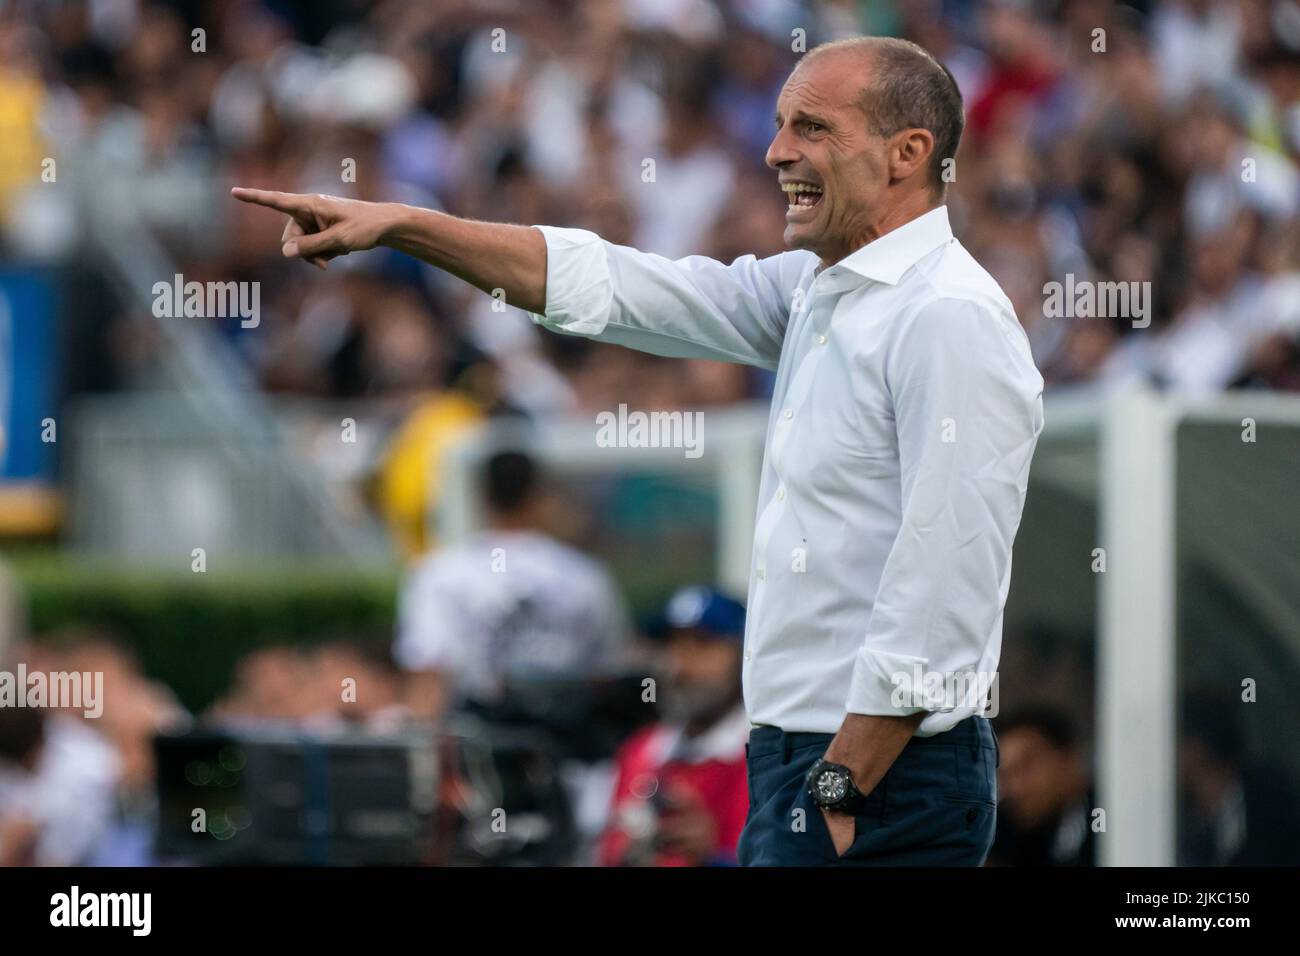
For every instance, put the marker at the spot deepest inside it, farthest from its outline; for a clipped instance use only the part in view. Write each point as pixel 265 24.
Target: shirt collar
pixel 887 258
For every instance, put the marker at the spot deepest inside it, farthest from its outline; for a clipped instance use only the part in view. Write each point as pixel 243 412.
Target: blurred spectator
pixel 332 687
pixel 363 687
pixel 22 737
pixel 1233 810
pixel 680 797
pixel 58 787
pixel 409 480
pixel 268 688
pixel 1044 796
pixel 513 601
pixel 87 786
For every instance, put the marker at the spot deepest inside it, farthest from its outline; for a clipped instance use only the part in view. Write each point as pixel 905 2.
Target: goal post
pixel 1136 666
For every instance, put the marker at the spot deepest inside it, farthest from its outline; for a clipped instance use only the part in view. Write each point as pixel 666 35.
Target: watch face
pixel 831 786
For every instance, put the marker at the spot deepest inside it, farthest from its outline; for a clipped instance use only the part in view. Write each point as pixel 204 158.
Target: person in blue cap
pixel 680 796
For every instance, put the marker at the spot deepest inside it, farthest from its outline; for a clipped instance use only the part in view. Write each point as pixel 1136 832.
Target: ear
pixel 910 153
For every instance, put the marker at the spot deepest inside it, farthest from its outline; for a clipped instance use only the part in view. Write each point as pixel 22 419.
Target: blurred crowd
pixel 1152 144
pixel 80 788
pixel 1145 142
pixel 80 791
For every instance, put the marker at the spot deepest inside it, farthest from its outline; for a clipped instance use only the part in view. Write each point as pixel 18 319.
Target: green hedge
pixel 189 630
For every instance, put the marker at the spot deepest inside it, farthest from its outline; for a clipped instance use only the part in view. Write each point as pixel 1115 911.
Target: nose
pixel 781 152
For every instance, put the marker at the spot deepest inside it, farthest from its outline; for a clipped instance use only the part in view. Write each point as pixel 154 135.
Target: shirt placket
pixel 786 420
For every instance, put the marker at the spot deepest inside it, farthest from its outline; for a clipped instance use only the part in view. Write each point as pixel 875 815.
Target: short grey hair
pixel 907 88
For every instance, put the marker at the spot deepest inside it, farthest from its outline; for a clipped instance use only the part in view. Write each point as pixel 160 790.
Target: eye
pixel 812 127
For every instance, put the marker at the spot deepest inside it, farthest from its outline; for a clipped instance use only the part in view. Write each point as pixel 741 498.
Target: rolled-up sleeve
pixel 695 307
pixel 968 411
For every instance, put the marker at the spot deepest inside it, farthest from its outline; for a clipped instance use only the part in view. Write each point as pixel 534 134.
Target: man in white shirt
pixel 904 416
pixel 512 602
pixel 59 783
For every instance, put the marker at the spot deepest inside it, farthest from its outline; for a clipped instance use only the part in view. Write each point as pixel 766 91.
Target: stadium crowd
pixel 1152 142
pixel 1151 145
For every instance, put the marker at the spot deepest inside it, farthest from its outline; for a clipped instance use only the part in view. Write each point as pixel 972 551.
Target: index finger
pixel 291 203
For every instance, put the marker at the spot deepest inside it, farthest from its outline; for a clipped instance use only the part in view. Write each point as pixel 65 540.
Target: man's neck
pixel 900 214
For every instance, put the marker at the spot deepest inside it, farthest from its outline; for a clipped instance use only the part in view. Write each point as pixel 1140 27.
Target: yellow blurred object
pixel 28 509
pixel 21 146
pixel 410 477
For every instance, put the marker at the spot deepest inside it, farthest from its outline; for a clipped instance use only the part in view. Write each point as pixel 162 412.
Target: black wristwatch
pixel 832 788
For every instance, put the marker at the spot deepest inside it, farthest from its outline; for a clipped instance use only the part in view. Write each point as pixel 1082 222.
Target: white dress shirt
pixel 904 416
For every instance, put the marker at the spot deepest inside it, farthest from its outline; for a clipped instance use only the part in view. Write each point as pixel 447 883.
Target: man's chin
pixel 798 236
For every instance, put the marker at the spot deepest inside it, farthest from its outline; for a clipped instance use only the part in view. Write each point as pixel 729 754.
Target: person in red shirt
pixel 680 793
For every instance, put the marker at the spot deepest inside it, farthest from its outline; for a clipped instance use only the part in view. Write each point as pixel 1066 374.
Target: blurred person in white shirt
pixel 511 602
pixel 58 785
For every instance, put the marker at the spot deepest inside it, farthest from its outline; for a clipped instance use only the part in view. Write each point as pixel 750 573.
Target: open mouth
pixel 801 195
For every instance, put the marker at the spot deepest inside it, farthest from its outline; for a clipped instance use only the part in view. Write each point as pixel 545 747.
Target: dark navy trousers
pixel 936 806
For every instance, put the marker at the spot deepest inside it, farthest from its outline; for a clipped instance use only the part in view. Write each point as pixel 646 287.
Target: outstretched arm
pixel 570 279
pixel 485 254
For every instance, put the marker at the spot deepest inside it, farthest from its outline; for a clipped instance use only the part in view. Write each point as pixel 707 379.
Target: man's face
pixel 833 170
pixel 703 674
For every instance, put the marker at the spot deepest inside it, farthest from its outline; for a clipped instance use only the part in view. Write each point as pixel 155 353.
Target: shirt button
pixel 788 413
pixel 821 340
pixel 761 575
pixel 780 492
pixel 746 655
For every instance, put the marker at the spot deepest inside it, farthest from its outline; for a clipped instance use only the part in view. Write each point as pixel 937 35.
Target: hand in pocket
pixel 842 828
